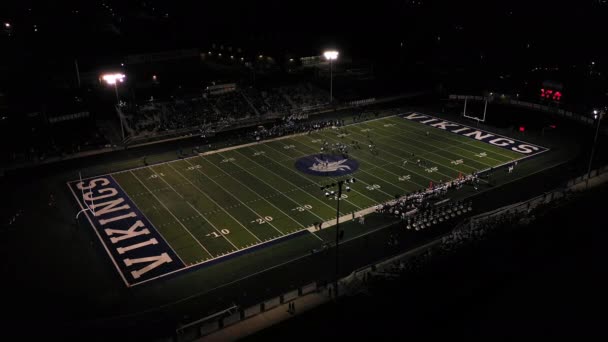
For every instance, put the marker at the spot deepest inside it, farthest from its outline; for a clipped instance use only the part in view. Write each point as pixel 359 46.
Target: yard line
pixel 401 167
pixel 457 143
pixel 308 180
pixel 466 142
pixel 289 216
pixel 305 154
pixel 149 221
pixel 440 164
pixel 437 148
pixel 306 192
pixel 361 170
pixel 212 200
pixel 212 225
pixel 396 163
pixel 447 146
pixel 164 206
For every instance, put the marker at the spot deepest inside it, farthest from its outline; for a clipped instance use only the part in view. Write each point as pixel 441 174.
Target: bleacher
pixel 306 96
pixel 232 105
pixel 151 118
pixel 276 100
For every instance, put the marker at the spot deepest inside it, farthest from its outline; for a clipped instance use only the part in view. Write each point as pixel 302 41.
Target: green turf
pixel 212 205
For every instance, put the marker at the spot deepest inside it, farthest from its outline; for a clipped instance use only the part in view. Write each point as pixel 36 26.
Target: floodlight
pixel 113 78
pixel 331 55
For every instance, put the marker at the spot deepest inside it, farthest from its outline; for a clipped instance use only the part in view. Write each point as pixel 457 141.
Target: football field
pixel 161 219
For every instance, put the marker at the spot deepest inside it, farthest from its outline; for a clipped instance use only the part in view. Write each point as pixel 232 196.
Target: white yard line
pixel 223 256
pixel 243 203
pixel 286 180
pixel 164 206
pixel 436 148
pixel 261 142
pixel 432 151
pixel 458 143
pixel 305 154
pixel 253 191
pixel 396 163
pixel 434 162
pixel 212 200
pixel 212 225
pixel 469 142
pixel 362 181
pixel 439 148
pixel 149 221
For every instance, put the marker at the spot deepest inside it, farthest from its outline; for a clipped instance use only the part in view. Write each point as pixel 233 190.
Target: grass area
pixel 86 292
pixel 216 204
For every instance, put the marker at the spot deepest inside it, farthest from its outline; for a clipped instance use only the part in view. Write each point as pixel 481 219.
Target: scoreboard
pixel 551 94
pixel 551 91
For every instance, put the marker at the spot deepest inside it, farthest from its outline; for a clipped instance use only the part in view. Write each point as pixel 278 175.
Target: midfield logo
pixel 326 165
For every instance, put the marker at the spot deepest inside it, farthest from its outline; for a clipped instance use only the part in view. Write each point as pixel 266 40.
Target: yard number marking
pixel 373 187
pixel 216 235
pixel 263 220
pixel 404 178
pixel 303 208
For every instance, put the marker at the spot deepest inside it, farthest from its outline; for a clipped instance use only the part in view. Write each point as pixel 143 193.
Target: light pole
pixel 597 116
pixel 338 197
pixel 331 56
pixel 113 79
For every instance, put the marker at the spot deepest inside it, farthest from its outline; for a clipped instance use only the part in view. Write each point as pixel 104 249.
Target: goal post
pixel 90 208
pixel 473 115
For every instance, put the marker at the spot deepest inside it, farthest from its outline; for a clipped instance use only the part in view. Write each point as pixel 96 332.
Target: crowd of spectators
pixel 305 95
pixel 292 124
pixel 232 105
pixel 243 103
pixel 257 100
pixel 420 201
pixel 276 100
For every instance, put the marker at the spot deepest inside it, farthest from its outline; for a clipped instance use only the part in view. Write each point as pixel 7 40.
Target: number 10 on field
pixel 221 232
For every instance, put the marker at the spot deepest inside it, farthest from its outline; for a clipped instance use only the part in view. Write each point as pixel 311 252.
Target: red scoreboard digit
pixel 551 94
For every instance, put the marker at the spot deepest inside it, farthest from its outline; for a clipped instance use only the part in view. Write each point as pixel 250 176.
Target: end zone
pixel 519 146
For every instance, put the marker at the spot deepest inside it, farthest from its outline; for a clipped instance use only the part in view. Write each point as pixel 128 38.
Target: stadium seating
pixel 152 118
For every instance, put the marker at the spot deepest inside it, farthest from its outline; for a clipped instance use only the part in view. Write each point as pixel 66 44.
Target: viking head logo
pixel 327 166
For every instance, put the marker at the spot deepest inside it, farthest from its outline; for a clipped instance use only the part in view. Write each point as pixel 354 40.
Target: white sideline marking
pixel 161 203
pixel 237 221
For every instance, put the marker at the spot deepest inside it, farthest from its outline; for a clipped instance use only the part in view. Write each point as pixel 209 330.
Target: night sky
pixel 556 31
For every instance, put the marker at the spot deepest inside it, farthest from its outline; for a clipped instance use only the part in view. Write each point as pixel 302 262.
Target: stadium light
pixel 331 55
pixel 338 196
pixel 597 116
pixel 114 79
